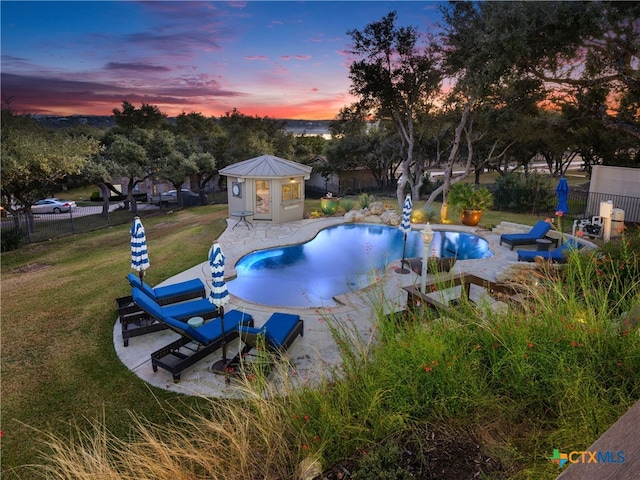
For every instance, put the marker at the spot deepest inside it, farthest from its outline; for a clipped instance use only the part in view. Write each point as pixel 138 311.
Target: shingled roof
pixel 266 166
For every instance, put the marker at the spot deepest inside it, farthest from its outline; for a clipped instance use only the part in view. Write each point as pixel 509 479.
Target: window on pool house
pixel 291 191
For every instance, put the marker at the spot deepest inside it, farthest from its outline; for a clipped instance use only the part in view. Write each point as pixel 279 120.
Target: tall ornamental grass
pixel 553 371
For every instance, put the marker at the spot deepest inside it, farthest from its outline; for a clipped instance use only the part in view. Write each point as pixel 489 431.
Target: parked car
pixel 171 198
pixel 52 205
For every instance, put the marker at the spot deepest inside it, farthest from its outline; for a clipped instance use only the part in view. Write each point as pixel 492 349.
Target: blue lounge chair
pixel 194 343
pixel 277 335
pixel 201 307
pixel 539 230
pixel 558 255
pixel 178 292
pixel 136 320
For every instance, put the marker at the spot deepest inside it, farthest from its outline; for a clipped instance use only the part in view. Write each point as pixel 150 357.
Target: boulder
pixel 376 208
pixel 391 217
pixel 354 216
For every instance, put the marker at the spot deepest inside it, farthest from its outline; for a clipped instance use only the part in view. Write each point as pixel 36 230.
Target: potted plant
pixel 472 200
pixel 329 204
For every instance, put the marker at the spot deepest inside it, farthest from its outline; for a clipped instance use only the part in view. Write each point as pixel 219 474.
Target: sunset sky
pixel 276 59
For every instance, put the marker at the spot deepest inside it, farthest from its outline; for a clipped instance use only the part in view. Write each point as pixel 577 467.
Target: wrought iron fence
pixel 43 227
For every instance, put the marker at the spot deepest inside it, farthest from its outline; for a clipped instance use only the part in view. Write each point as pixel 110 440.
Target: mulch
pixel 425 452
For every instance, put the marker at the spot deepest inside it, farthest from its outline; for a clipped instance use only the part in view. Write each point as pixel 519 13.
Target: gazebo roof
pixel 266 166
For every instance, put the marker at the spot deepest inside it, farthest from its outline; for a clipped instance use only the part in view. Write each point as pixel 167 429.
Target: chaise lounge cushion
pixel 539 230
pixel 201 307
pixel 188 289
pixel 276 330
pixel 212 330
pixel 558 255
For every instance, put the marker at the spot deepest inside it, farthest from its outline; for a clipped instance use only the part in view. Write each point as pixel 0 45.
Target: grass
pixel 58 361
pixel 555 374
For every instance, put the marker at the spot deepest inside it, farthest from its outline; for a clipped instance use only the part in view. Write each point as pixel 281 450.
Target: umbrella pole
pixel 220 367
pixel 224 337
pixel 404 247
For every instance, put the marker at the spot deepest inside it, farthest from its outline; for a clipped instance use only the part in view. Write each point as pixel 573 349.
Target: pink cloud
pixel 256 57
pixel 303 57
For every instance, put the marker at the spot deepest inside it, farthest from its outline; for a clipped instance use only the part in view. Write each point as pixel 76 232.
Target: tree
pixel 37 160
pixel 142 137
pixel 249 137
pixel 200 139
pixel 586 53
pixel 395 78
pixel 357 144
pixel 130 159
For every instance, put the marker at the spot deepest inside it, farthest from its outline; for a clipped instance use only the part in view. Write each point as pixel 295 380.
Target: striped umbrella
pixel 139 255
pixel 219 294
pixel 405 227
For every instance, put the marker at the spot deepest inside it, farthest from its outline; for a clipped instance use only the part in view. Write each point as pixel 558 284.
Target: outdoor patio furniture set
pixel 182 308
pixel 538 236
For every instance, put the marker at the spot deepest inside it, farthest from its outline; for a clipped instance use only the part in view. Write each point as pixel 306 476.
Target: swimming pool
pixel 338 260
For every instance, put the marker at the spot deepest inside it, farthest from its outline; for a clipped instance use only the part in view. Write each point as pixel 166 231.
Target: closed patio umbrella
pixel 405 227
pixel 562 192
pixel 139 255
pixel 219 295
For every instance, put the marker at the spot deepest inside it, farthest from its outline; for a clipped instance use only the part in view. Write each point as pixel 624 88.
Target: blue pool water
pixel 338 260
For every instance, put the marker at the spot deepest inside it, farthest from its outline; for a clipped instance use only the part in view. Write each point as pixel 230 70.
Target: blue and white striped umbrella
pixel 139 255
pixel 407 206
pixel 219 295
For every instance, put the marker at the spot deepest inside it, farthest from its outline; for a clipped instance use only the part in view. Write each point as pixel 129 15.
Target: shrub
pixel 517 192
pixel 11 239
pixel 347 204
pixel 365 200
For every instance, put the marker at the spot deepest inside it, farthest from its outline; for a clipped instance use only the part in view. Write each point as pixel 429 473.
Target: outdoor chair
pixel 195 343
pixel 557 255
pixel 538 231
pixel 276 336
pixel 137 321
pixel 178 292
pixel 201 307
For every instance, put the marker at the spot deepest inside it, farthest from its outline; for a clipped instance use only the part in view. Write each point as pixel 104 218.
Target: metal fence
pixel 43 227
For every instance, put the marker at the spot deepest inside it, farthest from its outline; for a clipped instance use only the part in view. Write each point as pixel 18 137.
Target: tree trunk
pixel 448 172
pixel 106 193
pixel 132 203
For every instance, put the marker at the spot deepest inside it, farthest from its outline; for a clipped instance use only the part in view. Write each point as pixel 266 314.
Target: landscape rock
pixel 391 217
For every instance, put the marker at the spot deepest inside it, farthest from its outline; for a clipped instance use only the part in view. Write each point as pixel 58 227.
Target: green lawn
pixel 58 360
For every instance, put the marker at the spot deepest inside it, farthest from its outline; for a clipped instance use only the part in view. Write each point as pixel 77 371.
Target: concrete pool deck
pixel 314 354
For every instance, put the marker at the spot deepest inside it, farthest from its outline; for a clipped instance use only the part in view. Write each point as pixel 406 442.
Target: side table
pixel 543 244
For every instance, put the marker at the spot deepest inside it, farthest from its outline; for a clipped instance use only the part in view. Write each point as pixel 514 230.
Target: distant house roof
pixel 266 166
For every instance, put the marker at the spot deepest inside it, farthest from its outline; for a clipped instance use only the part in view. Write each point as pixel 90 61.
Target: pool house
pixel 268 187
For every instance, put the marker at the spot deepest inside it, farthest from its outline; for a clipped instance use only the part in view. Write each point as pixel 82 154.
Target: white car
pixel 52 205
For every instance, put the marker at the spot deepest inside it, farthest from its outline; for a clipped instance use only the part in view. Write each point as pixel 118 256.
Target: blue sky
pixel 276 59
